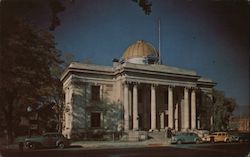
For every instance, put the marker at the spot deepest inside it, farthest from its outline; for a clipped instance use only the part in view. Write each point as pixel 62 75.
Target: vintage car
pixel 47 140
pixel 239 137
pixel 185 137
pixel 218 137
pixel 202 134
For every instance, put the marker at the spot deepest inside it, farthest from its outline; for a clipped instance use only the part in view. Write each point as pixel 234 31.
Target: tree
pixel 223 109
pixel 219 107
pixel 204 110
pixel 26 58
pixel 145 5
pixel 31 10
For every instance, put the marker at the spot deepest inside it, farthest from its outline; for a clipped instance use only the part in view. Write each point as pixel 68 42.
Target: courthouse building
pixel 150 96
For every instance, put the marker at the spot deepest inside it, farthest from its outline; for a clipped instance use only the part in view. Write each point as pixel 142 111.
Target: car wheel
pixel 61 145
pixel 197 141
pixel 227 140
pixel 179 142
pixel 32 146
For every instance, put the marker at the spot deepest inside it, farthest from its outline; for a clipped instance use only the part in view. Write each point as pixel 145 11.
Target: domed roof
pixel 140 49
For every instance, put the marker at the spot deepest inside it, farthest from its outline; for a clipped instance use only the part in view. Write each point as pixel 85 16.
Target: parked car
pixel 218 137
pixel 202 134
pixel 244 137
pixel 47 140
pixel 239 137
pixel 185 137
pixel 234 137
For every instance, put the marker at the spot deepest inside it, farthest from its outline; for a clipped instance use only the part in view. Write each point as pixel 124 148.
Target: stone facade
pixel 149 96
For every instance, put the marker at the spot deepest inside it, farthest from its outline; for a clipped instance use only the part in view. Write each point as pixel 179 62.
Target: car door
pixel 184 137
pixel 46 140
pixel 220 137
pixel 50 140
pixel 54 139
pixel 193 137
pixel 189 137
pixel 216 137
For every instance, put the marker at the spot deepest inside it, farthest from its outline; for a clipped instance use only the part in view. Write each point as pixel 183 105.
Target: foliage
pixel 26 59
pixel 145 5
pixel 205 110
pixel 223 109
pixel 220 108
pixel 31 10
pixel 112 115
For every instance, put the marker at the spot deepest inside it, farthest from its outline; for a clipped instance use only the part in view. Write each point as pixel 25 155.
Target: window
pixel 95 120
pixel 95 93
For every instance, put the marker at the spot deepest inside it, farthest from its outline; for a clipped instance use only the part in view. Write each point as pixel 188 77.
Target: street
pixel 185 150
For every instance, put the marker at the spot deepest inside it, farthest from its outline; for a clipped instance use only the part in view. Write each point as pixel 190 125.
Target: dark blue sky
pixel 210 37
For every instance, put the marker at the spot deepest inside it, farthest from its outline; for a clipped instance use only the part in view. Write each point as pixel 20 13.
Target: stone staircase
pixel 158 137
pixel 147 137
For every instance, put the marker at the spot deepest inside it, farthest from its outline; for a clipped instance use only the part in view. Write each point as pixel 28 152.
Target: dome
pixel 141 51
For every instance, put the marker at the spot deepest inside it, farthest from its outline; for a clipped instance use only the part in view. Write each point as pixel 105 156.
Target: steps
pixel 148 137
pixel 157 137
pixel 135 136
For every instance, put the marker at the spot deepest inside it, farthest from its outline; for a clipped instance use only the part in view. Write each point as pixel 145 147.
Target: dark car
pixel 47 140
pixel 186 137
pixel 244 137
pixel 239 137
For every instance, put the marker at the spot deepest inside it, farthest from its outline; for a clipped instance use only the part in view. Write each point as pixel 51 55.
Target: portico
pixel 161 115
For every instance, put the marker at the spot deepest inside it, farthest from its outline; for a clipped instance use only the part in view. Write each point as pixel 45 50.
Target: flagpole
pixel 159 40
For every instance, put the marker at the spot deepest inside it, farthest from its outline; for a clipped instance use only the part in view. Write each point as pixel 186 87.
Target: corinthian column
pixel 170 107
pixel 126 108
pixel 135 108
pixel 186 109
pixel 153 108
pixel 193 110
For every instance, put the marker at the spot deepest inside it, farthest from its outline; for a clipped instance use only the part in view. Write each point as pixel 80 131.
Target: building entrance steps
pixel 158 137
pixel 148 137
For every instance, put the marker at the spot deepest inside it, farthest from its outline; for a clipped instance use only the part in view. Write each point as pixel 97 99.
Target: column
pixel 176 116
pixel 182 113
pixel 193 110
pixel 126 108
pixel 101 92
pixel 212 123
pixel 170 107
pixel 135 108
pixel 186 109
pixel 153 108
pixel 162 120
pixel 198 123
pixel 130 107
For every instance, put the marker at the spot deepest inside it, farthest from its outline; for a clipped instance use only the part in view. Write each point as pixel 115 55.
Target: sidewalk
pixel 118 144
pixel 11 146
